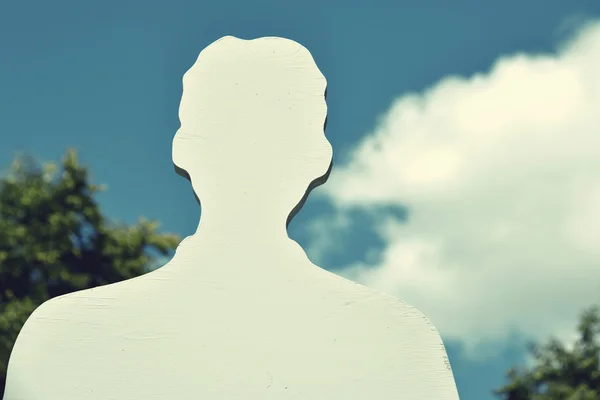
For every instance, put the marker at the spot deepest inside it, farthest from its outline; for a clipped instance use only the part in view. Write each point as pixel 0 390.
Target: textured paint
pixel 239 312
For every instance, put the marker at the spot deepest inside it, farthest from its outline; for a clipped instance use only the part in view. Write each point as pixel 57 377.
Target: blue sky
pixel 464 136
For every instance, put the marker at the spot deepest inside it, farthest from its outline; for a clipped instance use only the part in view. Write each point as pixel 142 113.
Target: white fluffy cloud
pixel 501 176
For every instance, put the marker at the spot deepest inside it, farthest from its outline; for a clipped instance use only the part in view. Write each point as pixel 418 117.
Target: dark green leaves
pixel 55 240
pixel 561 372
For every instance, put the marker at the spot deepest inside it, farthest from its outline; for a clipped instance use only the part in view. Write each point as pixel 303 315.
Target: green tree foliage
pixel 561 372
pixel 55 240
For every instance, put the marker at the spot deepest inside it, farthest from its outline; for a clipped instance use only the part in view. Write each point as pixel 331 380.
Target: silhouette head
pixel 252 125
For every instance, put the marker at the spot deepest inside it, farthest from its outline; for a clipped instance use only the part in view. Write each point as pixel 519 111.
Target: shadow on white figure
pixel 239 312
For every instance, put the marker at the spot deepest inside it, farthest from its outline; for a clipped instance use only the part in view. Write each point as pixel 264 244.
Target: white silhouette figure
pixel 239 312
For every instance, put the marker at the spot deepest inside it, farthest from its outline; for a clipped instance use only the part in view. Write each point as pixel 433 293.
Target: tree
pixel 55 240
pixel 561 372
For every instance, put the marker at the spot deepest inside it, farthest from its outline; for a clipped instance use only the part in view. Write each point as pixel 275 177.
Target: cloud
pixel 501 176
pixel 329 231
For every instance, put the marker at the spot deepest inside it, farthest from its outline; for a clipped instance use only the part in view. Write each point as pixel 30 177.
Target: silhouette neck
pixel 247 221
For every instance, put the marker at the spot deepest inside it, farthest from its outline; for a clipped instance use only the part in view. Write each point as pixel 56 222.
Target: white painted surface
pixel 240 312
